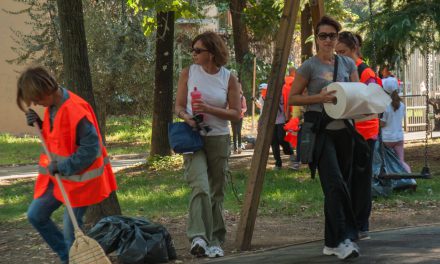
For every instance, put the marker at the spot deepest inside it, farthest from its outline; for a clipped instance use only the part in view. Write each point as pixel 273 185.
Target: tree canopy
pixel 400 27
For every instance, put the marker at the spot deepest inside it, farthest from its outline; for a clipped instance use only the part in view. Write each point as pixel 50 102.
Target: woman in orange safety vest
pixel 348 45
pixel 71 133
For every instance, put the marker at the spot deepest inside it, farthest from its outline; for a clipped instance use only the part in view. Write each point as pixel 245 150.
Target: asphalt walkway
pixel 125 161
pixel 27 171
pixel 398 246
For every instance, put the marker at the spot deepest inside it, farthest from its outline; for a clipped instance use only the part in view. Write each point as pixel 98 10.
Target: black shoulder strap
pixel 361 68
pixel 335 73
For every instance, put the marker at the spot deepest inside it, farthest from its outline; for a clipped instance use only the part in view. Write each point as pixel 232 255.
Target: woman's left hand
pixel 201 107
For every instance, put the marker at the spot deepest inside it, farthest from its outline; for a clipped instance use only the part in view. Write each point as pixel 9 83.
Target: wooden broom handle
pixel 60 183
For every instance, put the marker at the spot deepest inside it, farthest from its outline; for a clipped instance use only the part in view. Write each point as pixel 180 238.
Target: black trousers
pixel 278 139
pixel 334 167
pixel 361 192
pixel 236 132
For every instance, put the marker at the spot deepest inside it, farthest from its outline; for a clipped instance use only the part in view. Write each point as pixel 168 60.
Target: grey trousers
pixel 206 173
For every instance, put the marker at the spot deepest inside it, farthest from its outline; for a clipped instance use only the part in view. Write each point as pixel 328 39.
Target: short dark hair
pixel 34 82
pixel 327 20
pixel 215 45
pixel 348 39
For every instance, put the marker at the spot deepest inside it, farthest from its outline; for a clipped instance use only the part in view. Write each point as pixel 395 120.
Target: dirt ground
pixel 21 244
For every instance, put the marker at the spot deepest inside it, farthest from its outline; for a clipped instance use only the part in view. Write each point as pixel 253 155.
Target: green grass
pixel 159 190
pixel 18 150
pixel 125 135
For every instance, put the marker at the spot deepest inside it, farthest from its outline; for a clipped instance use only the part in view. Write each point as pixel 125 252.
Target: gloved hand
pixel 53 168
pixel 32 117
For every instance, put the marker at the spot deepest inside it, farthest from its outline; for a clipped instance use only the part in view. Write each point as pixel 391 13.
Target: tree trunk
pixel 108 207
pixel 77 77
pixel 163 90
pixel 241 41
pixel 306 31
pixel 74 47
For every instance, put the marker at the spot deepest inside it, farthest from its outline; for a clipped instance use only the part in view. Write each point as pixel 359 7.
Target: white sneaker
pixel 353 243
pixel 215 252
pixel 198 247
pixel 344 250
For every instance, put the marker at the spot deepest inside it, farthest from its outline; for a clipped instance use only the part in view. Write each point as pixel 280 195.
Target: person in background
pixel 386 73
pixel 278 139
pixel 71 133
pixel 369 129
pixel 391 122
pixel 259 102
pixel 288 80
pixel 237 126
pixel 206 169
pixel 333 153
pixel 291 127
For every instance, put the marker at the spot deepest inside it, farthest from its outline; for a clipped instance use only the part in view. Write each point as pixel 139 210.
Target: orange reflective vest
pixel 368 129
pixel 89 186
pixel 292 128
pixel 288 80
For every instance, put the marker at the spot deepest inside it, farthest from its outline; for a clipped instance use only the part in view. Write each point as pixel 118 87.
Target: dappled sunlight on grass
pixel 128 129
pixel 18 150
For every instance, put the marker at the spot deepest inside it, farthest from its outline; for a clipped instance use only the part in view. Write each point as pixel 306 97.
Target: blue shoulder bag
pixel 183 138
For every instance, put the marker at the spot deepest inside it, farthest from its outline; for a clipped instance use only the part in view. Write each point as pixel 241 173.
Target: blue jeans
pixel 39 213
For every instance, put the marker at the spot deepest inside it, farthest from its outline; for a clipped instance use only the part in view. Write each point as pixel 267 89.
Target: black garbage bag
pixel 382 187
pixel 135 240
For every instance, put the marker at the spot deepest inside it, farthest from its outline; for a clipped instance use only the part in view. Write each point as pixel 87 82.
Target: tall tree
pixel 163 92
pixel 42 45
pixel 240 35
pixel 78 78
pixel 74 47
pixel 306 33
pixel 399 27
pixel 163 24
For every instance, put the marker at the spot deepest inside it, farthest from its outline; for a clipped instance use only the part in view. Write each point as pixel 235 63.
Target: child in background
pixel 391 122
pixel 237 126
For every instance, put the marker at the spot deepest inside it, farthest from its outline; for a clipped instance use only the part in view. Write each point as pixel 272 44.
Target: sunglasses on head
pixel 198 50
pixel 324 36
pixel 349 36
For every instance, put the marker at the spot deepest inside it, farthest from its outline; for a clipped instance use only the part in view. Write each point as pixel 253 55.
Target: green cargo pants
pixel 206 173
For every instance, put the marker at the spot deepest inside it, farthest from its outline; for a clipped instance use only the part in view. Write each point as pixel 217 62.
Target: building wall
pixel 12 120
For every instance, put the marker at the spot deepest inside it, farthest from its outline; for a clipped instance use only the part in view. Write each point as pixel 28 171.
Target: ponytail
pixel 395 103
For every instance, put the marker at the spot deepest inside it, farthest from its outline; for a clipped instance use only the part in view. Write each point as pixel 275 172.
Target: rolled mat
pixel 356 99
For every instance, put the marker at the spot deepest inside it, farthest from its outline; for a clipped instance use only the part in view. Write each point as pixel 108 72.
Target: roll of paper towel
pixel 356 99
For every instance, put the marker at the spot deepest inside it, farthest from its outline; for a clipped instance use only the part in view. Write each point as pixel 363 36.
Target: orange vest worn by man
pixel 288 80
pixel 89 186
pixel 368 129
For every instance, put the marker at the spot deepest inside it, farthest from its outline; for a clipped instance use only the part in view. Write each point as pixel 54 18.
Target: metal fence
pixel 413 76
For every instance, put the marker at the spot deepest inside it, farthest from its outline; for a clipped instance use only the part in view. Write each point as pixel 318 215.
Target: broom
pixel 84 250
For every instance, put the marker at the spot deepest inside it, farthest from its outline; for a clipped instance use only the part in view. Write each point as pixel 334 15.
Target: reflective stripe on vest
pixel 88 175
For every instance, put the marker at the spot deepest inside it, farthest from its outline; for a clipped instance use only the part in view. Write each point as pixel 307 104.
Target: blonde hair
pixel 215 45
pixel 34 83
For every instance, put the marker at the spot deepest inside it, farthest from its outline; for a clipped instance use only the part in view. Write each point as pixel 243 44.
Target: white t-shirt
pixel 214 90
pixel 393 131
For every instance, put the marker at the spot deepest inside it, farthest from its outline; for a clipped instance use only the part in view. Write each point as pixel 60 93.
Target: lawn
pixel 18 150
pixel 125 135
pixel 158 190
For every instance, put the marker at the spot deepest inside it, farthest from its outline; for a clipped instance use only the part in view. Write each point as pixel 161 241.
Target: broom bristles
pixel 86 250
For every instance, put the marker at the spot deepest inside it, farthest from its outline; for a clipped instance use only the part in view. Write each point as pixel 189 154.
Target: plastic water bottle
pixel 195 95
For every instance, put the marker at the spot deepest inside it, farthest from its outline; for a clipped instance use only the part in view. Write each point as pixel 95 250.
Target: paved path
pixel 131 160
pixel 31 170
pixel 399 246
pixel 420 135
